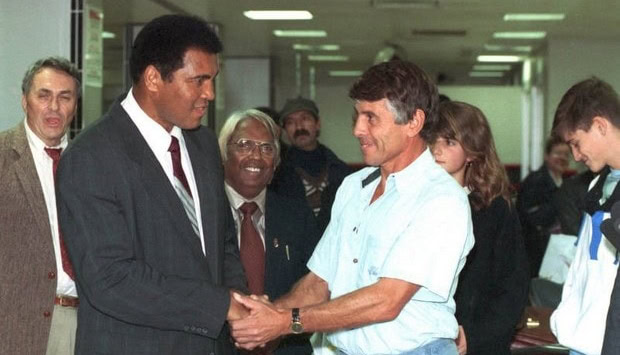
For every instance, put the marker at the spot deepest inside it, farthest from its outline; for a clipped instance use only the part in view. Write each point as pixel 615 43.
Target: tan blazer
pixel 27 264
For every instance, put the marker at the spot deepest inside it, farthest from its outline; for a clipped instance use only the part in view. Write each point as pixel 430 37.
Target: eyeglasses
pixel 246 146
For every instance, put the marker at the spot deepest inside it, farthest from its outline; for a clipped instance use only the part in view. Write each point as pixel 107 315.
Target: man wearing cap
pixel 310 170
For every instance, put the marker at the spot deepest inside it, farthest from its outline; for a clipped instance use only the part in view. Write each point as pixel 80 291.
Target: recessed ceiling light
pixel 299 33
pixel 499 58
pixel 108 35
pixel 322 47
pixel 497 47
pixel 534 17
pixel 492 67
pixel 345 73
pixel 328 58
pixel 521 35
pixel 486 74
pixel 278 15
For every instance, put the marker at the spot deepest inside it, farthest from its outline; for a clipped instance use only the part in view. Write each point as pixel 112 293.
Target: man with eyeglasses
pixel 276 234
pixel 310 170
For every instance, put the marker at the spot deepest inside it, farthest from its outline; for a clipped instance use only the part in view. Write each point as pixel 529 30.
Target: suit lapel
pixel 210 215
pixel 154 178
pixel 29 180
pixel 273 244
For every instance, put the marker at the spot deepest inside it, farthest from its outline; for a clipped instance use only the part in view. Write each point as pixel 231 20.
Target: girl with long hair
pixel 492 288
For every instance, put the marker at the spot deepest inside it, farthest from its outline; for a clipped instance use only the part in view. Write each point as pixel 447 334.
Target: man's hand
pixel 236 309
pixel 264 323
pixel 461 341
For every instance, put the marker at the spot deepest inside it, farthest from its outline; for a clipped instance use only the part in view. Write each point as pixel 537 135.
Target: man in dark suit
pixel 143 207
pixel 37 295
pixel 283 230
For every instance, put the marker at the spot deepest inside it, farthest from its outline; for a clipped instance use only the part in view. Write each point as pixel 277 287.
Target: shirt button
pixel 51 275
pixel 355 261
pixel 193 329
pixel 46 314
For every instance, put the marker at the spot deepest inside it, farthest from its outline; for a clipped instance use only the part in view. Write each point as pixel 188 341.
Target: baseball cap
pixel 298 104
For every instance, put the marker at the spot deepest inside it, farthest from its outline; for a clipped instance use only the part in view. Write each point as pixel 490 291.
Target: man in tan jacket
pixel 38 298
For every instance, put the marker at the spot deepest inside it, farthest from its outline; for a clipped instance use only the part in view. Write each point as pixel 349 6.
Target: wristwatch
pixel 296 326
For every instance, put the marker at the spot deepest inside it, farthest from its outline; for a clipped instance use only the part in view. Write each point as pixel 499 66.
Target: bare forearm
pixel 373 304
pixel 309 290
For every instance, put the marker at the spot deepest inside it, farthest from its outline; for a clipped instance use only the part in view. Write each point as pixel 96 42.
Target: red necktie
pixel 252 250
pixel 181 186
pixel 54 153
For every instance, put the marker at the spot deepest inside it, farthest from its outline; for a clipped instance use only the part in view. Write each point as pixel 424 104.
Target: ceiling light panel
pixel 322 47
pixel 345 73
pixel 534 17
pixel 492 67
pixel 300 33
pixel 520 35
pixel 497 47
pixel 499 58
pixel 328 58
pixel 486 74
pixel 278 15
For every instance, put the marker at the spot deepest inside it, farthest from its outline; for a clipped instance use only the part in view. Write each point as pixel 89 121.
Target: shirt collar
pixel 37 144
pixel 155 135
pixel 236 200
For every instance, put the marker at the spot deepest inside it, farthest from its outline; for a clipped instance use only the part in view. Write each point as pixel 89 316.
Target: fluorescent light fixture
pixel 300 33
pixel 492 67
pixel 534 17
pixel 108 35
pixel 278 15
pixel 520 35
pixel 486 74
pixel 328 58
pixel 345 73
pixel 322 47
pixel 497 47
pixel 499 58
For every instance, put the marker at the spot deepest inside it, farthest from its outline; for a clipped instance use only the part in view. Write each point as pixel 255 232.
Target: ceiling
pixel 443 38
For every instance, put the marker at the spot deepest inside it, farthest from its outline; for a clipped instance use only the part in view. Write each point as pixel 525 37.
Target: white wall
pixel 572 60
pixel 502 107
pixel 29 30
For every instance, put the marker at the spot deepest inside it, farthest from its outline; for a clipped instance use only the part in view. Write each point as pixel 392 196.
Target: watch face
pixel 297 328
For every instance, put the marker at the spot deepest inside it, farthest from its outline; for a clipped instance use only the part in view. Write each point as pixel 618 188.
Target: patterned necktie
pixel 252 250
pixel 54 153
pixel 181 186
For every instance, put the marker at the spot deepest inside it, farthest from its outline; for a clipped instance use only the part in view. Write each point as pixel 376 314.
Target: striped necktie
pixel 181 186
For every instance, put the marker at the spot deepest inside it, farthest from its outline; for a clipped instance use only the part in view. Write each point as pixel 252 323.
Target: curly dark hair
pixel 584 101
pixel 406 87
pixel 164 41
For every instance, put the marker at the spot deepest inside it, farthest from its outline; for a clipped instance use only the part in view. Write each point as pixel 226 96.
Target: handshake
pixel 255 321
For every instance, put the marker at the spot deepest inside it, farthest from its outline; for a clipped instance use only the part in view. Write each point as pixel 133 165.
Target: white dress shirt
pixel 158 139
pixel 44 165
pixel 258 218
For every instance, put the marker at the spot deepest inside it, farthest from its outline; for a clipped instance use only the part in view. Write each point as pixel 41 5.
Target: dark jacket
pixel 290 237
pixel 537 214
pixel 492 288
pixel 287 182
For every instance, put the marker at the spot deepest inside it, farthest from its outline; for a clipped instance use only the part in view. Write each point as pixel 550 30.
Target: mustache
pixel 301 132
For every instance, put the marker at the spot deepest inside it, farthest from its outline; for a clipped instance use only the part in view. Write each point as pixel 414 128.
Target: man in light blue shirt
pixel 383 276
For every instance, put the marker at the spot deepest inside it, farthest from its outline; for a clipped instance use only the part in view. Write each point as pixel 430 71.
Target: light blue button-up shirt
pixel 418 231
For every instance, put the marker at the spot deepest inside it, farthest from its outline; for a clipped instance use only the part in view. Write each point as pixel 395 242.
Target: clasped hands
pixel 257 321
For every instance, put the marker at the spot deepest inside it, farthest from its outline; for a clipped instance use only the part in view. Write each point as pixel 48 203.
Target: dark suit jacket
pixel 27 261
pixel 145 285
pixel 288 222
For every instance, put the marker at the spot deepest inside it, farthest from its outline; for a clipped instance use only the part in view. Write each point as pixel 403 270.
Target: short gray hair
pixel 56 63
pixel 230 126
